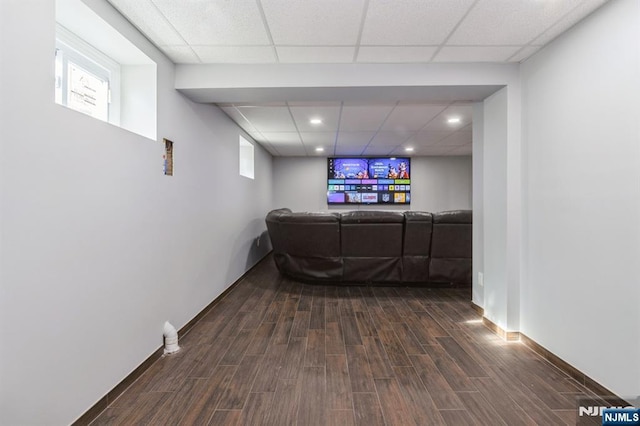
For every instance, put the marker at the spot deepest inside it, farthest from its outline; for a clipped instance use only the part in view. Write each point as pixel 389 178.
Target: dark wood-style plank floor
pixel 275 351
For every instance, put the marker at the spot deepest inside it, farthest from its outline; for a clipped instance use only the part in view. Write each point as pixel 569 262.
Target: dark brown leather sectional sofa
pixel 372 246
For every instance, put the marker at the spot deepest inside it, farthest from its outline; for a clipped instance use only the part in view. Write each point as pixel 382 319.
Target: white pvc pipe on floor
pixel 170 339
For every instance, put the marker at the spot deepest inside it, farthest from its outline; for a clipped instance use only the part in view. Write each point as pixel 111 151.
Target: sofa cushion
pixel 273 223
pixel 417 233
pixel 310 234
pixel 372 245
pixel 417 246
pixel 451 247
pixel 372 234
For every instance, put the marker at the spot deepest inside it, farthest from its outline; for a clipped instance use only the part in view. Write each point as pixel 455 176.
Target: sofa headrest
pixel 454 216
pixel 274 215
pixel 372 216
pixel 412 216
pixel 309 217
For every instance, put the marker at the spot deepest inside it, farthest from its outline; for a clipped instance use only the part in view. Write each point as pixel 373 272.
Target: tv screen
pixel 379 180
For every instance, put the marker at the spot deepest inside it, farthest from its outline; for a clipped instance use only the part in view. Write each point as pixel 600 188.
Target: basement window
pixel 100 72
pixel 86 80
pixel 246 158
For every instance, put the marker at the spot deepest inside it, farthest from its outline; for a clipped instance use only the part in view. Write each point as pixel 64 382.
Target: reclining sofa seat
pixel 416 253
pixel 451 247
pixel 273 228
pixel 372 245
pixel 308 244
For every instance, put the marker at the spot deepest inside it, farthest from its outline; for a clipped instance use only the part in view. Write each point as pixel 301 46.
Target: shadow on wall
pixel 252 244
pixel 260 249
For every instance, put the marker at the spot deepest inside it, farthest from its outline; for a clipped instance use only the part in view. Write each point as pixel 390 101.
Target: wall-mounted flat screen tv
pixel 375 180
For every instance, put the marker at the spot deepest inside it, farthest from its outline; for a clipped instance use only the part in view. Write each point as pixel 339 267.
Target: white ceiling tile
pixel 508 22
pixel 395 54
pixel 411 117
pixel 456 139
pixel 269 119
pixel 475 53
pixel 238 118
pixel 524 54
pixel 350 150
pixel 148 19
pixel 216 22
pixel 318 138
pixel 364 117
pixel 441 123
pixel 401 151
pixel 328 114
pixel 235 54
pixel 291 147
pixel 282 138
pixel 314 22
pixel 569 20
pixel 428 137
pixel 389 138
pixel 354 138
pixel 292 151
pixel 411 22
pixel 379 150
pixel 434 150
pixel 315 54
pixel 313 103
pixel 181 54
pixel 256 104
pixel 461 111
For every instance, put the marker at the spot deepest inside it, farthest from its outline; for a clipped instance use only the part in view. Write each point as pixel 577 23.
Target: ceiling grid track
pixel 379 128
pixel 304 146
pixel 365 10
pixel 453 30
pixel 335 141
pixel 168 22
pixel 267 29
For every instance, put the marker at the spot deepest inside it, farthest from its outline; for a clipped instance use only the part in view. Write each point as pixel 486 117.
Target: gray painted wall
pixel 580 293
pixel 98 247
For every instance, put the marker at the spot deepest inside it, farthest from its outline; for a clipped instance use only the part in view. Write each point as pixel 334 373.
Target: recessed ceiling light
pixel 319 149
pixel 453 120
pixel 315 121
pixel 409 149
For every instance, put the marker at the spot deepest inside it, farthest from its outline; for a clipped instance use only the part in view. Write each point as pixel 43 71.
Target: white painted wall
pixel 437 184
pixel 494 184
pixel 98 248
pixel 138 103
pixel 581 294
pixel 478 203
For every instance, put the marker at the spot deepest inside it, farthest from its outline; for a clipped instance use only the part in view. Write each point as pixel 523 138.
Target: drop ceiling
pixel 354 31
